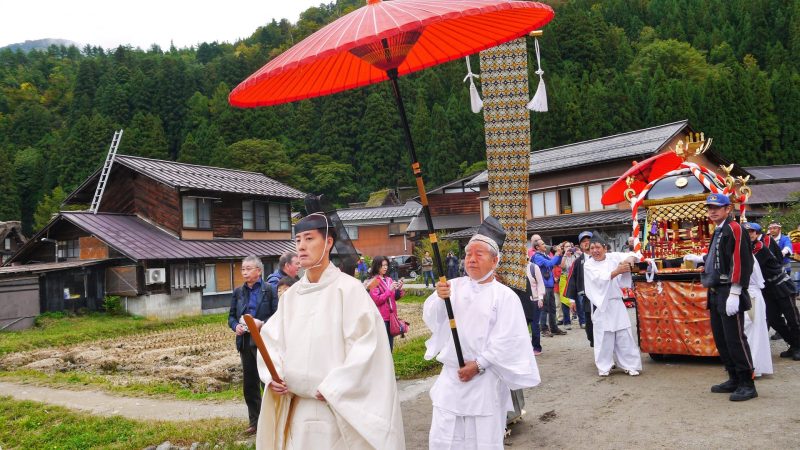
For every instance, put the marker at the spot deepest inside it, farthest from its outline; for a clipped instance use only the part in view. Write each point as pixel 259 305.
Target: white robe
pixel 612 326
pixel 492 330
pixel 755 325
pixel 329 337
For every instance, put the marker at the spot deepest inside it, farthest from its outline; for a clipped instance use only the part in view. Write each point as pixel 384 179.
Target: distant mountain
pixel 39 44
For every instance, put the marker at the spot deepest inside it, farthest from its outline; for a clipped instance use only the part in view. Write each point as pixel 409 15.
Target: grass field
pixel 57 329
pixel 186 359
pixel 25 424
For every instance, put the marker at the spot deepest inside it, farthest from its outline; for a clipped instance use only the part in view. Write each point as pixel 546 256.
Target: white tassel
pixel 474 98
pixel 539 101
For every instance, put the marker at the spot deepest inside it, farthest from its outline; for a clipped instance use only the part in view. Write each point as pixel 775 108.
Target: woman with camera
pixel 384 292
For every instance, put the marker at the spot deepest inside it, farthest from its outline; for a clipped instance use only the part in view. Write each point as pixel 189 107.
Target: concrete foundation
pixel 179 303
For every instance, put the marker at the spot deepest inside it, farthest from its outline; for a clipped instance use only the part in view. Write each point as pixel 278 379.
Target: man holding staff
pixel 470 402
pixel 328 344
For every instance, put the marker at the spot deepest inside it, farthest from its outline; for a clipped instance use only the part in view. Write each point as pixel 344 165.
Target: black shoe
pixel 796 355
pixel 559 332
pixel 789 352
pixel 744 392
pixel 725 388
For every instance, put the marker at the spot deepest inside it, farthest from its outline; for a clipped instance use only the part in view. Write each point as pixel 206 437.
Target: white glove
pixel 732 304
pixel 697 259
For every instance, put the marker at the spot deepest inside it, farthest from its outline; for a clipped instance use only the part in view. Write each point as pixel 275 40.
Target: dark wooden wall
pixel 158 203
pixel 456 203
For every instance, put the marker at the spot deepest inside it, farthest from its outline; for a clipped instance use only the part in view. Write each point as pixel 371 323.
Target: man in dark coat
pixel 288 266
pixel 779 292
pixel 726 275
pixel 257 298
pixel 575 287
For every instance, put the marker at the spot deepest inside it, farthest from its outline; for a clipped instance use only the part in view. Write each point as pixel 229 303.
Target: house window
pixel 485 208
pixel 550 208
pixel 69 249
pixel 7 244
pixel 279 217
pixel 263 216
pixel 197 213
pixel 247 214
pixel 564 201
pixel 595 194
pixel 211 279
pixel 352 232
pixel 544 204
pixel 578 199
pixel 537 203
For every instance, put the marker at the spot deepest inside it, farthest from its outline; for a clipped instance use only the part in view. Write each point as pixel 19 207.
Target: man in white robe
pixel 603 281
pixel 470 403
pixel 328 343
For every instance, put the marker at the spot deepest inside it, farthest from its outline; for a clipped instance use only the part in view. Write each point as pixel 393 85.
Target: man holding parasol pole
pixel 385 40
pixel 470 402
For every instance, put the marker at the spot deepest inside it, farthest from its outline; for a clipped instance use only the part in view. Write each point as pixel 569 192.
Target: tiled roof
pixel 773 192
pixel 208 178
pixel 447 222
pixel 141 240
pixel 568 222
pixel 51 266
pixel 644 142
pixel 769 173
pixel 191 176
pixel 410 209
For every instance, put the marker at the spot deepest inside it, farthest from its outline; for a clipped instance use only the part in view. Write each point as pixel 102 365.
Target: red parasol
pixel 407 35
pixel 642 173
pixel 381 41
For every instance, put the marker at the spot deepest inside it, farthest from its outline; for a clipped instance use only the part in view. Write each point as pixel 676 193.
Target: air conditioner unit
pixel 155 276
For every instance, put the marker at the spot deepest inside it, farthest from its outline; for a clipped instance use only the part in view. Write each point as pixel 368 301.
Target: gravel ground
pixel 668 406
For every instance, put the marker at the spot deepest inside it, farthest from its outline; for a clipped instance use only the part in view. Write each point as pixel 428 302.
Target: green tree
pixel 264 156
pixel 84 149
pixel 29 179
pixel 145 137
pixel 380 141
pixel 9 206
pixel 50 204
pixel 444 157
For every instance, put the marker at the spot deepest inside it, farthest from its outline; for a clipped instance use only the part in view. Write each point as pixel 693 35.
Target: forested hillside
pixel 729 66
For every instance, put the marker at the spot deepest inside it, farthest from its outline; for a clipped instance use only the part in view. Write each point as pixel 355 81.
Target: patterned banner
pixel 504 81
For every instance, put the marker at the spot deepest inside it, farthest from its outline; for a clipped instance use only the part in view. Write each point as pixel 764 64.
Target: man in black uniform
pixel 575 287
pixel 779 292
pixel 257 298
pixel 726 274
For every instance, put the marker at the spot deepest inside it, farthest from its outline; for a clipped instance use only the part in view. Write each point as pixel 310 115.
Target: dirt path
pixel 100 403
pixel 668 406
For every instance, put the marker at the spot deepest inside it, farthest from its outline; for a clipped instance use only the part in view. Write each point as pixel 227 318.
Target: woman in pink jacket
pixel 384 292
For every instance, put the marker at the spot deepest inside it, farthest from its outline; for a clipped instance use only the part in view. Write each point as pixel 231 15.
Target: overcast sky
pixel 141 23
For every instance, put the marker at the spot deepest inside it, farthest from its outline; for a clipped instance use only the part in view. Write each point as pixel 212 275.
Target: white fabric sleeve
pixel 434 314
pixel 736 289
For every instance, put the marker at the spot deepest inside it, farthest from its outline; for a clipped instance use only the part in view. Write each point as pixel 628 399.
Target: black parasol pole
pixel 417 168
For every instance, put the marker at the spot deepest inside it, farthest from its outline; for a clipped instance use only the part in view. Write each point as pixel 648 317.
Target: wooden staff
pixel 255 335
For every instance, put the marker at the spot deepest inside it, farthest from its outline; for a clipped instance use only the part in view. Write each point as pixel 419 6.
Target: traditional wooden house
pixel 11 239
pixel 454 206
pixel 168 238
pixel 567 182
pixel 380 230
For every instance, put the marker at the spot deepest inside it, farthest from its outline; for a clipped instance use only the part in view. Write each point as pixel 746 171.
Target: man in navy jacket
pixel 257 298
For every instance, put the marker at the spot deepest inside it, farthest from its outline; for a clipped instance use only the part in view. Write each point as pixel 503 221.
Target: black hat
pixel 492 233
pixel 314 221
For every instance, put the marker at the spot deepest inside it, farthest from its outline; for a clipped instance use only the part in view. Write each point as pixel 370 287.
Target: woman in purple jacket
pixel 384 292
